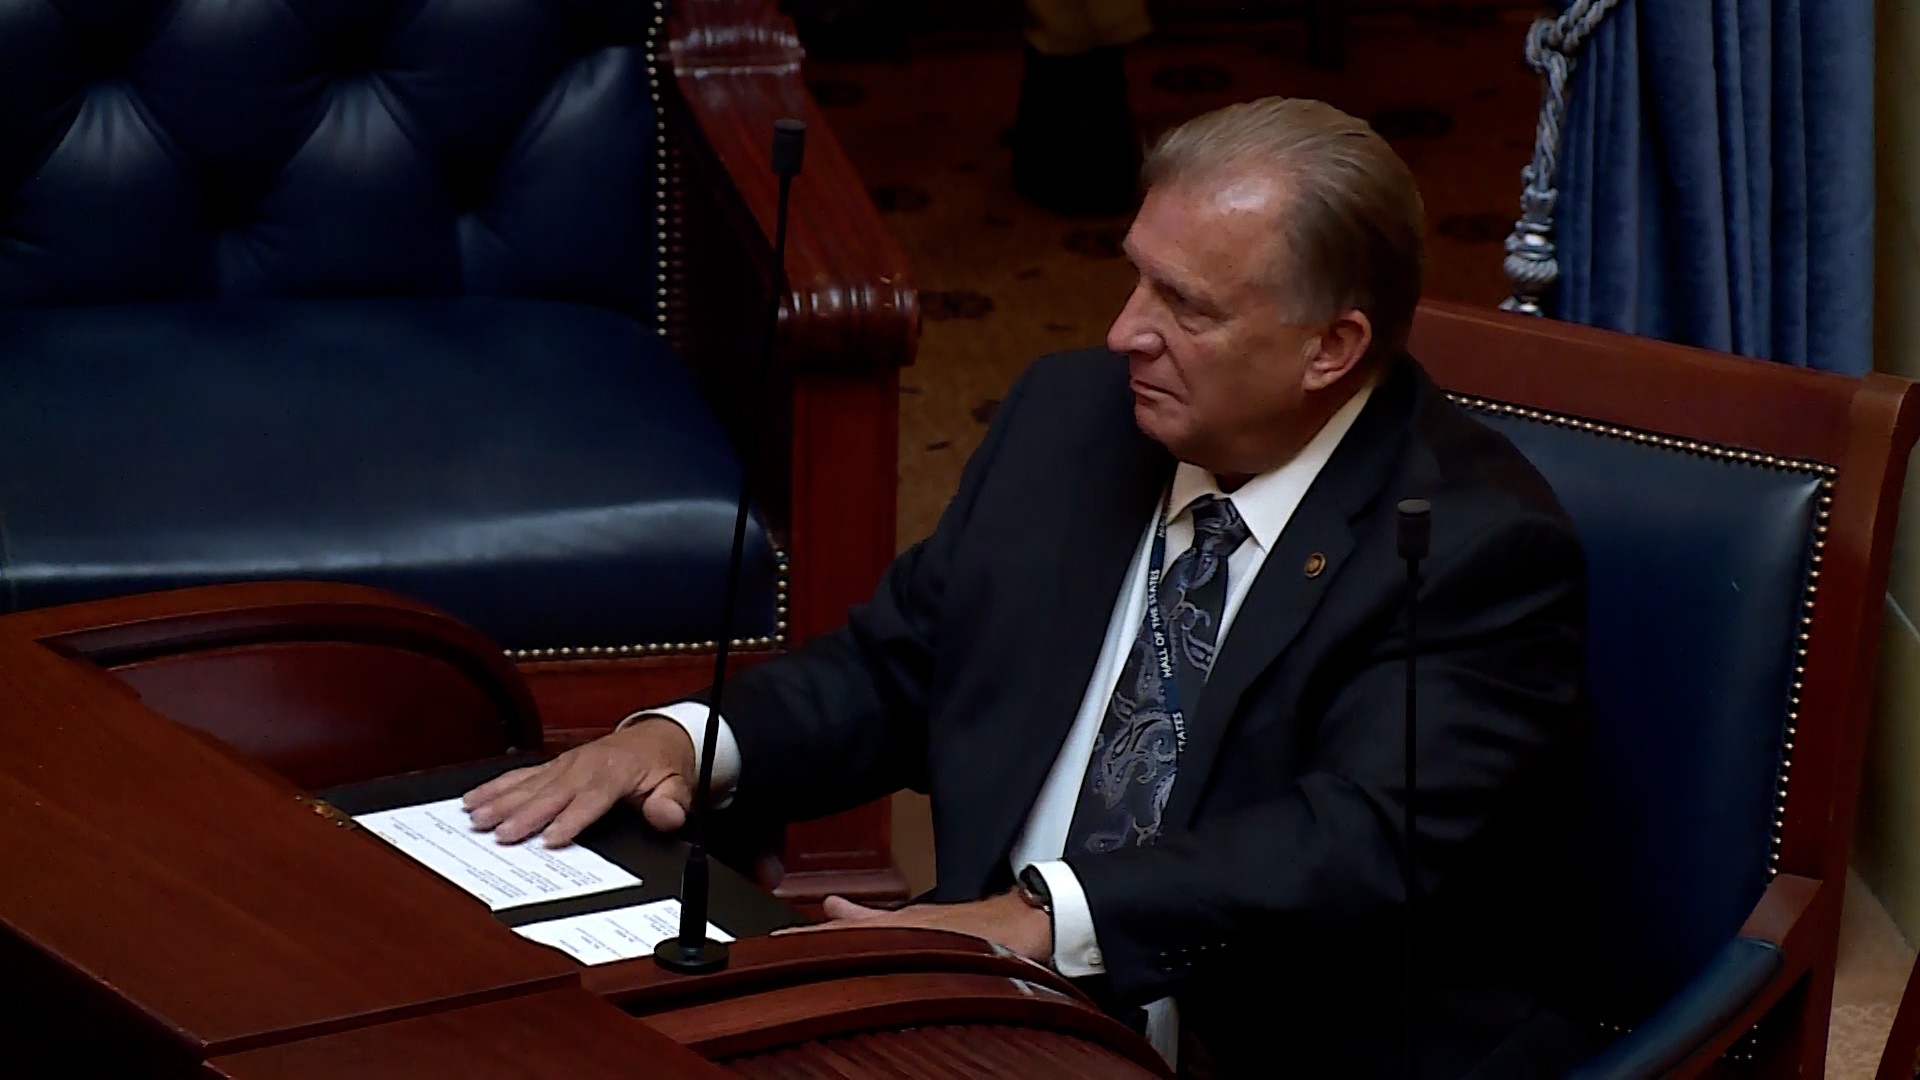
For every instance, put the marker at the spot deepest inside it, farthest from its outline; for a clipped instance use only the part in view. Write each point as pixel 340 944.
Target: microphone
pixel 692 952
pixel 1416 530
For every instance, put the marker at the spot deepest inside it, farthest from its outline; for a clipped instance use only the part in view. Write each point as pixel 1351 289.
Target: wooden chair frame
pixel 1864 430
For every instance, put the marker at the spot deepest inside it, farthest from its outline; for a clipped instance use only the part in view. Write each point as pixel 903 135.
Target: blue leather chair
pixel 448 299
pixel 1737 518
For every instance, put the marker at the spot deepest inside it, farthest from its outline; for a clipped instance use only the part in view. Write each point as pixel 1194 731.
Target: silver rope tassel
pixel 1551 46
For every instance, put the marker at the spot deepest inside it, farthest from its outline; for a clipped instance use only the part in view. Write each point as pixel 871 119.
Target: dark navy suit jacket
pixel 1272 907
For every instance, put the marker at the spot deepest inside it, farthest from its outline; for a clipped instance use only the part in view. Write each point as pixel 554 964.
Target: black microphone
pixel 692 952
pixel 1416 530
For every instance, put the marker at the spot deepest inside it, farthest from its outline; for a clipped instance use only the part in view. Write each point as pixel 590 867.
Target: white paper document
pixel 602 937
pixel 438 835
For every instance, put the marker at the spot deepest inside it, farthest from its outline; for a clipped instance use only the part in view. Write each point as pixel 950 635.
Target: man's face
pixel 1218 373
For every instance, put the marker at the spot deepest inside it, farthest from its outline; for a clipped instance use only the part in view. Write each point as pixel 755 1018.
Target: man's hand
pixel 648 763
pixel 1005 920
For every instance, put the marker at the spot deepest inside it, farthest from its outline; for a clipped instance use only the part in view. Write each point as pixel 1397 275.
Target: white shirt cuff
pixel 1076 953
pixel 692 715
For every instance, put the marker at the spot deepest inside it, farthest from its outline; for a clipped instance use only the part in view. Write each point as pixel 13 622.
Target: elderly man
pixel 1150 666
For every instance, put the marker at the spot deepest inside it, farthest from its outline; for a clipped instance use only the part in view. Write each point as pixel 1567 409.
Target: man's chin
pixel 1150 416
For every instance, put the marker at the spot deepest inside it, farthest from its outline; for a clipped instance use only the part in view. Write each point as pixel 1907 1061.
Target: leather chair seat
pixel 545 471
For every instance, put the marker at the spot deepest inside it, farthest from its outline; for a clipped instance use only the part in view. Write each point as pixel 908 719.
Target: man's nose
pixel 1131 332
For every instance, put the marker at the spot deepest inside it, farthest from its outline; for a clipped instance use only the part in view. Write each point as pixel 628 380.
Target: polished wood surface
pixel 968 1050
pixel 1783 916
pixel 852 307
pixel 595 695
pixel 173 907
pixel 1865 430
pixel 798 1014
pixel 849 321
pixel 323 684
pixel 834 992
pixel 177 892
pixel 783 961
pixel 518 1039
pixel 845 482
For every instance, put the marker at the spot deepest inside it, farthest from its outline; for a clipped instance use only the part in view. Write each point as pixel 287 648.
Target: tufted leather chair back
pixel 1701 562
pixel 162 150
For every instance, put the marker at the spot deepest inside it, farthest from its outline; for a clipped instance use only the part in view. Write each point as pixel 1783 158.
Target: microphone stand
pixel 1415 532
pixel 692 952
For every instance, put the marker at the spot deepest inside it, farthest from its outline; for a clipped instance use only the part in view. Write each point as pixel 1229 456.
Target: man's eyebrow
pixel 1185 291
pixel 1162 280
pixel 1188 292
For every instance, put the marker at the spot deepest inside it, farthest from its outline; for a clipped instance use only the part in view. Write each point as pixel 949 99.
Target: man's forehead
pixel 1208 226
pixel 1237 200
pixel 1246 192
pixel 1163 254
pixel 1226 190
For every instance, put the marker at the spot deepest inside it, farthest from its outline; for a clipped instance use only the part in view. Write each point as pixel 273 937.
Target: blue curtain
pixel 1716 178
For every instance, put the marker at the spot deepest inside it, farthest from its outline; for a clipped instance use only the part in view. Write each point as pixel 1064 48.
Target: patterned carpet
pixel 1003 282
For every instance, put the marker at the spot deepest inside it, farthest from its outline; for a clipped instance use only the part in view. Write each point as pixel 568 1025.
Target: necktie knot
pixel 1217 527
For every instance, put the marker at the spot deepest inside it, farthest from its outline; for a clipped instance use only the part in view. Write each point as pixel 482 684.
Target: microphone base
pixel 703 959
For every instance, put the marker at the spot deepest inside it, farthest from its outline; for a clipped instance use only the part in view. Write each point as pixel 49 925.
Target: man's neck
pixel 1318 415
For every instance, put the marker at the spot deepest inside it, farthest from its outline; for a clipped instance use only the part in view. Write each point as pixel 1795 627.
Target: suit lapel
pixel 1117 483
pixel 1309 554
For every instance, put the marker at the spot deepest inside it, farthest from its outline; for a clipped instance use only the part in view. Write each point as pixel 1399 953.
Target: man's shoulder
pixel 1492 493
pixel 1075 371
pixel 1497 523
pixel 1075 392
pixel 1471 456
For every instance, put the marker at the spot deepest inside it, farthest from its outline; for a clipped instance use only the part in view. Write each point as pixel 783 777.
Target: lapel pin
pixel 1316 562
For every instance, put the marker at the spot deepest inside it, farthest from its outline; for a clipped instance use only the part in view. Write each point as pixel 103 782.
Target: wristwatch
pixel 1032 886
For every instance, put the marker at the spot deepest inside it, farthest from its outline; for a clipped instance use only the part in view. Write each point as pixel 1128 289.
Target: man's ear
pixel 1338 350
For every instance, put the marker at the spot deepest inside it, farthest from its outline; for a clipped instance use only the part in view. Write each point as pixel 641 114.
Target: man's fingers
pixel 584 810
pixel 840 914
pixel 809 928
pixel 497 786
pixel 837 908
pixel 666 806
pixel 535 813
pixel 562 797
pixel 508 803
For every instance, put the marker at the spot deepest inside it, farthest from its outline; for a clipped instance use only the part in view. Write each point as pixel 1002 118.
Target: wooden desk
pixel 170 907
pixel 552 1035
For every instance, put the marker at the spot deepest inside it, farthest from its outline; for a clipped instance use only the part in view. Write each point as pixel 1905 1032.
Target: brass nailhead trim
pixel 1648 438
pixel 1742 1051
pixel 661 226
pixel 677 648
pixel 1809 593
pixel 665 243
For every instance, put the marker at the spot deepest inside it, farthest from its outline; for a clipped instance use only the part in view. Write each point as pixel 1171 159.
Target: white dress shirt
pixel 1266 503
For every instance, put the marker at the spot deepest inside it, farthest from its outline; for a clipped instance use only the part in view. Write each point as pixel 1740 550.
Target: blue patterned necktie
pixel 1136 755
